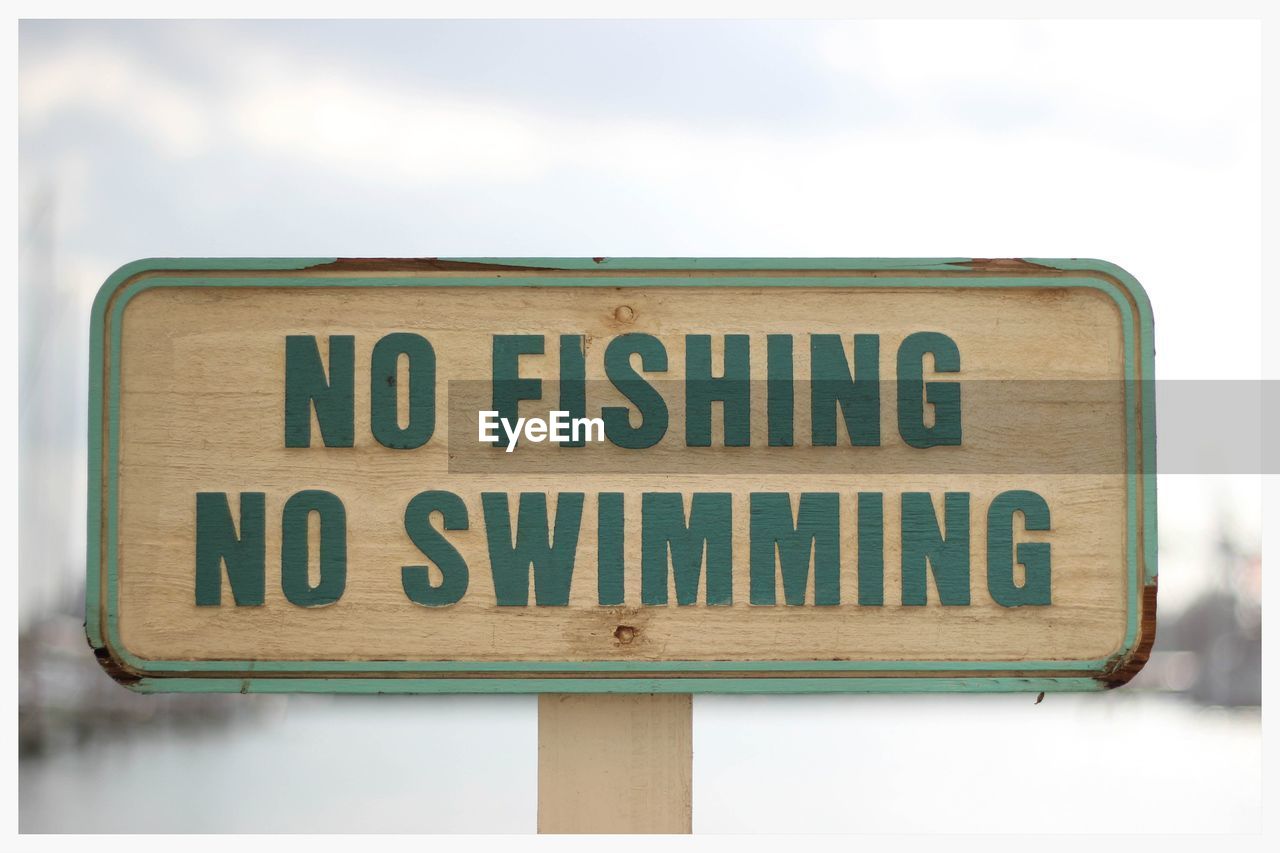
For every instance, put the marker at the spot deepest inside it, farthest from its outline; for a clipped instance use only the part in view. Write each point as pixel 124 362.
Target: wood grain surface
pixel 200 407
pixel 201 410
pixel 615 763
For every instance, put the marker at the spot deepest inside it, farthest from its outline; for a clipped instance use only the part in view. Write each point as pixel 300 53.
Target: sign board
pixel 642 475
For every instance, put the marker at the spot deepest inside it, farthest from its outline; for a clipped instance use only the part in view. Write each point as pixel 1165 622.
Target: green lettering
pixel 416 580
pixel 914 392
pixel 924 547
pixel 384 419
pixel 609 550
pixel 1034 556
pixel 781 391
pixel 870 548
pixel 551 558
pixel 294 549
pixel 306 385
pixel 573 381
pixel 814 531
pixel 508 388
pixel 245 555
pixel 652 408
pixel 857 396
pixel 733 389
pixel 664 532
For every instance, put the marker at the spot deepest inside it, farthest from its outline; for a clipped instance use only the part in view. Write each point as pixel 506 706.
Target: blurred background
pixel 1133 141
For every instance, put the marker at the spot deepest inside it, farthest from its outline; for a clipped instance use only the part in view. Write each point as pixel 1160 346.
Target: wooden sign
pixel 605 475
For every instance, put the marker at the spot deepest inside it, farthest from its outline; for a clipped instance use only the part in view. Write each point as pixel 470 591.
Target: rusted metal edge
pixel 121 672
pixel 1124 666
pixel 1119 671
pixel 1005 266
pixel 421 265
pixel 1013 266
pixel 131 676
pixel 407 266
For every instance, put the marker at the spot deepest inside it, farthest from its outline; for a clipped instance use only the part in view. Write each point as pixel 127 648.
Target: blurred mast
pixel 47 432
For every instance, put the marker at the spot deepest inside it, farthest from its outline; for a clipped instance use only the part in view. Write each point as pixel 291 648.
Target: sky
pixel 1133 141
pixel 872 139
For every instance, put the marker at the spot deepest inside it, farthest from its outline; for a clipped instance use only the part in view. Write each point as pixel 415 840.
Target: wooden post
pixel 615 763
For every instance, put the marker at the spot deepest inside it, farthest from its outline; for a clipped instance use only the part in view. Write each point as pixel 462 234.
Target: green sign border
pixel 146 675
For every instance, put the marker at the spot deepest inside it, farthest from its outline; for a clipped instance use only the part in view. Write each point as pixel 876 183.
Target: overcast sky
pixel 1137 142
